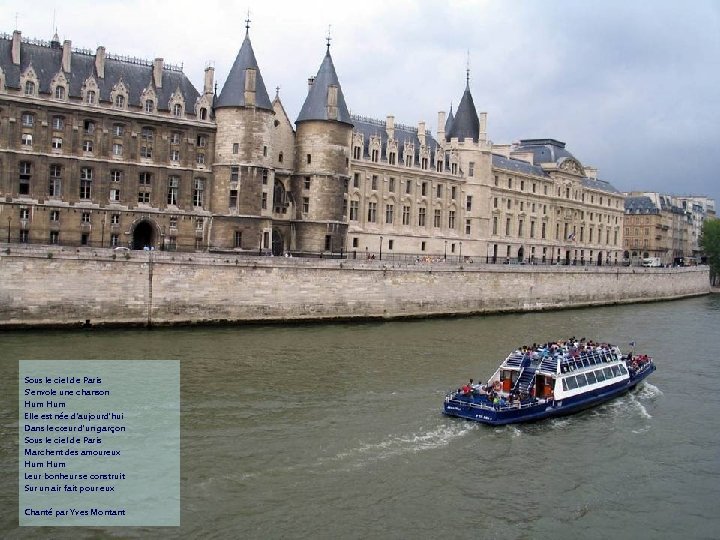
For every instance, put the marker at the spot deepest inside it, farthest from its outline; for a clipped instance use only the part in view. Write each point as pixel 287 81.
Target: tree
pixel 710 243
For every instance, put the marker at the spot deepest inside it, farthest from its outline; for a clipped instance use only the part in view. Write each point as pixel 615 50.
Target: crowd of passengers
pixel 570 349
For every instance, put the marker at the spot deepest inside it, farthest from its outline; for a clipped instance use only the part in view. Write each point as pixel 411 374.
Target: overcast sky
pixel 631 87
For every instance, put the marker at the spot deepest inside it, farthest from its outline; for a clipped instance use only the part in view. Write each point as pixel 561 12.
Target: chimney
pixel 441 128
pixel 16 47
pixel 100 62
pixel 157 72
pixel 483 126
pixel 421 133
pixel 209 77
pixel 67 55
pixel 311 81
pixel 390 126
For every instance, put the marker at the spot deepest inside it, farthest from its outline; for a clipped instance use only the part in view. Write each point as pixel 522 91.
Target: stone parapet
pixel 42 287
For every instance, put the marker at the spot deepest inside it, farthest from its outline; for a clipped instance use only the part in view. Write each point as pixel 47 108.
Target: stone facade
pixel 129 153
pixel 164 288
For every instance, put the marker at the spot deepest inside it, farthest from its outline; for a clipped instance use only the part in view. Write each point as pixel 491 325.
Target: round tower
pixel 243 166
pixel 322 152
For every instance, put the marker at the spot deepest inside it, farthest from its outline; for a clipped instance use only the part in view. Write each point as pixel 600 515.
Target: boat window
pixel 582 381
pixel 623 370
pixel 608 373
pixel 600 375
pixel 616 370
pixel 565 387
pixel 586 362
pixel 591 377
pixel 572 383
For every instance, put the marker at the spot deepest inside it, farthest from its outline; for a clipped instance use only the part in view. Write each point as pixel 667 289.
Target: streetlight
pixel 102 235
pixel 381 248
pixel 460 251
pixel 9 220
pixel 445 257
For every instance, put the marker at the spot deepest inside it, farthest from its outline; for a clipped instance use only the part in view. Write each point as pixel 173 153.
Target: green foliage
pixel 710 243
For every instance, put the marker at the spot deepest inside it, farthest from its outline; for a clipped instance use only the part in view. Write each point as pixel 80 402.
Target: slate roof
pixel 370 127
pixel 600 185
pixel 640 205
pixel 544 150
pixel 517 165
pixel 233 91
pixel 315 106
pixel 466 124
pixel 47 62
pixel 449 120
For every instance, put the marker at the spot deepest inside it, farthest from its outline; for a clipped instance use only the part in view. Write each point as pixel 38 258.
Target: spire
pixel 325 100
pixel 449 121
pixel 466 124
pixel 237 87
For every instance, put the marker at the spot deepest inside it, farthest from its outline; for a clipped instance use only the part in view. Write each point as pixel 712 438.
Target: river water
pixel 335 431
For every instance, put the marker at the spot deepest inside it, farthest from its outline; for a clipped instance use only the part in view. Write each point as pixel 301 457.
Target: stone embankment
pixel 43 287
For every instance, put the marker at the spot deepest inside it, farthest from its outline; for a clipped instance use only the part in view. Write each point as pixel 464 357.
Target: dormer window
pixel 149 105
pixel 120 101
pixel 374 156
pixel 356 152
pixel 59 92
pixel 203 113
pixel 177 110
pixel 29 88
pixel 391 158
pixel 90 97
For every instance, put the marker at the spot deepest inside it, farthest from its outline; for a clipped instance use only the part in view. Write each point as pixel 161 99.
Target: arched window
pixel 120 101
pixel 203 113
pixel 29 88
pixel 177 110
pixel 59 92
pixel 149 105
pixel 280 157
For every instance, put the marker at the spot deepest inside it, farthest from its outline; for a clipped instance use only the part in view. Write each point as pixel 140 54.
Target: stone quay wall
pixel 41 287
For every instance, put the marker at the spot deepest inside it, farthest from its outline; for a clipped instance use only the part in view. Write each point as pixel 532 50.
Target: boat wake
pixel 397 445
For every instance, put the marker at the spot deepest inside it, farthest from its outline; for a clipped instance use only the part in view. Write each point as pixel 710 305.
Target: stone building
pixel 664 226
pixel 103 150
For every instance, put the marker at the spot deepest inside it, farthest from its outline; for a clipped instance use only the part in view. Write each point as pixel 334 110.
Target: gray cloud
pixel 631 87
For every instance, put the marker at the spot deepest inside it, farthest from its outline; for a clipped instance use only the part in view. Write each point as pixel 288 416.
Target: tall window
pixel 468 203
pixel 391 185
pixel 406 215
pixel 421 217
pixel 146 142
pixel 28 119
pixel 173 186
pixel 354 206
pixel 389 209
pixel 55 180
pixel 25 170
pixel 451 219
pixel 86 176
pixel 118 130
pixel 198 192
pixel 372 212
pixel 58 123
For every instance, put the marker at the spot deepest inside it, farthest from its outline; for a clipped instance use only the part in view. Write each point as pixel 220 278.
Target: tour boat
pixel 556 379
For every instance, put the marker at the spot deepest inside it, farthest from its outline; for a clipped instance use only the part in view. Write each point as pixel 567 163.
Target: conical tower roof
pixel 233 91
pixel 466 124
pixel 449 120
pixel 316 106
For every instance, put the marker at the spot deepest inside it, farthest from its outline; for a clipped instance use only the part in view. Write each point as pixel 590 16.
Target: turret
pixel 322 152
pixel 243 164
